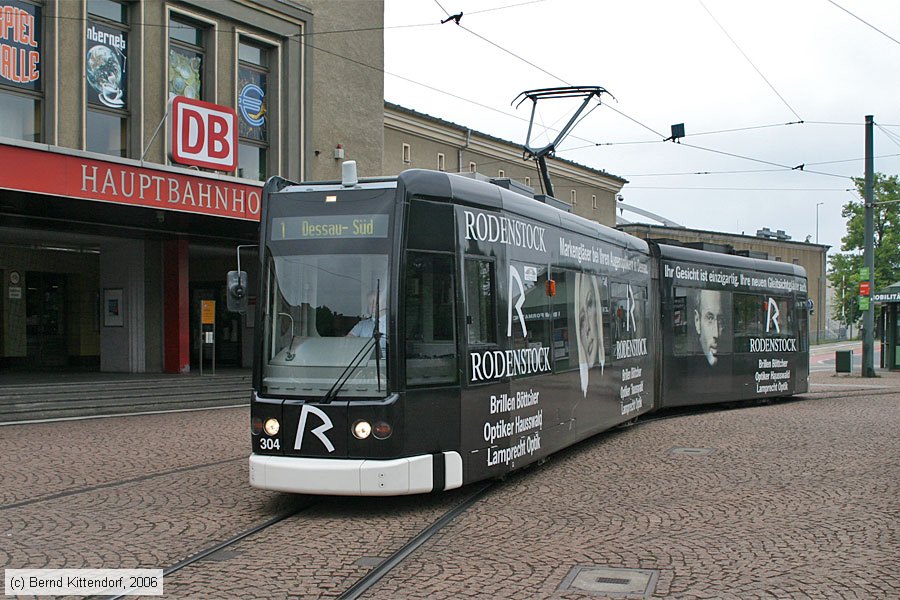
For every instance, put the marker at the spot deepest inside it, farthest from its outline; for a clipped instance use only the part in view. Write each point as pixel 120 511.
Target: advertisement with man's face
pixel 711 312
pixel 734 333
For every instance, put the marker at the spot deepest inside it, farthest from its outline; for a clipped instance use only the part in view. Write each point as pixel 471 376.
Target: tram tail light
pixel 256 425
pixel 382 430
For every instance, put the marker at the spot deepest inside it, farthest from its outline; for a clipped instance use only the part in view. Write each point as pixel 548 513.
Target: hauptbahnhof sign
pixel 26 169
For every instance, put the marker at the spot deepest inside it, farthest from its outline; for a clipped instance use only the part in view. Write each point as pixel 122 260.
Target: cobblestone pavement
pixel 796 499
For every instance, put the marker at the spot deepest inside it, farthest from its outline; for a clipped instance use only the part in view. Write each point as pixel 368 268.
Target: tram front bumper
pixel 355 477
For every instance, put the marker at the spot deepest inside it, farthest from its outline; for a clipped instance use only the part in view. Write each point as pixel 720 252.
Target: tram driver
pixel 365 328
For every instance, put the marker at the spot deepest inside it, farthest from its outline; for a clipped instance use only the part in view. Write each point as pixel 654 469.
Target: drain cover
pixel 626 583
pixel 692 451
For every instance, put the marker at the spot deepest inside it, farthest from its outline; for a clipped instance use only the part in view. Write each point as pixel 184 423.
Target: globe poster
pixel 105 66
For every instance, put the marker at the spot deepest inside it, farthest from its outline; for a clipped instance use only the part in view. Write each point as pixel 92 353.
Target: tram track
pixel 231 541
pixel 306 503
pixel 121 482
pixel 373 577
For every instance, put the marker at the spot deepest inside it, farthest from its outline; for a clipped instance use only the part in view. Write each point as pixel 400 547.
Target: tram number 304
pixel 269 444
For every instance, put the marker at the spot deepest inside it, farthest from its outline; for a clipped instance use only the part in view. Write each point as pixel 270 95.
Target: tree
pixel 845 266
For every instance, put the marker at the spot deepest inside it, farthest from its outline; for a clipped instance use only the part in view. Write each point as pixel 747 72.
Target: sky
pixel 741 76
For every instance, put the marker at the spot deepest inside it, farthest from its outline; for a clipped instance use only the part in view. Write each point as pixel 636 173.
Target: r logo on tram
pixel 319 431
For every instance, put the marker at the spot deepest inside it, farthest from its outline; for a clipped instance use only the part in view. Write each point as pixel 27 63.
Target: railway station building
pixel 108 246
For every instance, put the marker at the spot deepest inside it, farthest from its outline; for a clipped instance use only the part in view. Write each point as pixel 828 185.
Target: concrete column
pixel 122 274
pixel 176 304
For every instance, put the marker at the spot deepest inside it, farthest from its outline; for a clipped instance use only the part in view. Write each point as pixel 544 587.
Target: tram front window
pixel 326 326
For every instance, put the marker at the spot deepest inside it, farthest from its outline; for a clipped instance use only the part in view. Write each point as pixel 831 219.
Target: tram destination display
pixel 336 227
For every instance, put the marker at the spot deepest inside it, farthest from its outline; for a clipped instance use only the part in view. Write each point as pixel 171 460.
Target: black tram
pixel 734 328
pixel 418 333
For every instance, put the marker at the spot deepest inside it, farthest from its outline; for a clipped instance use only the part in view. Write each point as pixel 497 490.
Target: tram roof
pixel 468 191
pixel 729 260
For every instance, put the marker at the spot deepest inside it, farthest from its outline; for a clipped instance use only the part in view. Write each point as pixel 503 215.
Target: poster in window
pixel 113 309
pixel 252 104
pixel 184 72
pixel 105 65
pixel 20 45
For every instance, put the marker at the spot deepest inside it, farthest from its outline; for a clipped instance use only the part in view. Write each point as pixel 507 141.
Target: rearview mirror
pixel 237 291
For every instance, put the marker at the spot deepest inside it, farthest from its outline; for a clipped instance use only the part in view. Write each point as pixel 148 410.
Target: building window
pixel 528 181
pixel 500 173
pixel 253 110
pixel 407 154
pixel 106 73
pixel 594 201
pixel 796 261
pixel 441 162
pixel 21 63
pixel 473 168
pixel 574 197
pixel 186 58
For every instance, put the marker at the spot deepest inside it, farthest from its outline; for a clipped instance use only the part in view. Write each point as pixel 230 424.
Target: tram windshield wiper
pixel 354 363
pixel 376 334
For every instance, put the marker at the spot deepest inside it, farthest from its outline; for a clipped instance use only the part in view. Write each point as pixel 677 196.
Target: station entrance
pixel 98 264
pixel 82 302
pixel 46 307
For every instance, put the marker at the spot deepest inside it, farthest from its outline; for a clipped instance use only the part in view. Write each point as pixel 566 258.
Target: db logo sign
pixel 204 134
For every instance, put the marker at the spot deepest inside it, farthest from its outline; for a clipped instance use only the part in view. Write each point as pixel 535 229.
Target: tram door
pixel 45 319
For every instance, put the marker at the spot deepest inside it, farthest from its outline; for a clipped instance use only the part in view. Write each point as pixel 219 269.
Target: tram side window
pixel 760 315
pixel 481 319
pixel 563 315
pixel 430 326
pixel 629 311
pixel 682 322
pixel 535 308
pixel 801 315
pixel 787 323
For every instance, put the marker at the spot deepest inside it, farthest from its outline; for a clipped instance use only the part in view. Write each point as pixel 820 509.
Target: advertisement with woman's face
pixel 588 325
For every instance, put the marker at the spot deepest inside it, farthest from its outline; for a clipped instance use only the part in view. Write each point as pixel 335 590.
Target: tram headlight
pixel 361 429
pixel 256 425
pixel 272 426
pixel 382 430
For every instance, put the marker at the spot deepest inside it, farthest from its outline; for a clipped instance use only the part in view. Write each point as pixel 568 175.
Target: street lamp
pixel 817 220
pixel 821 282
